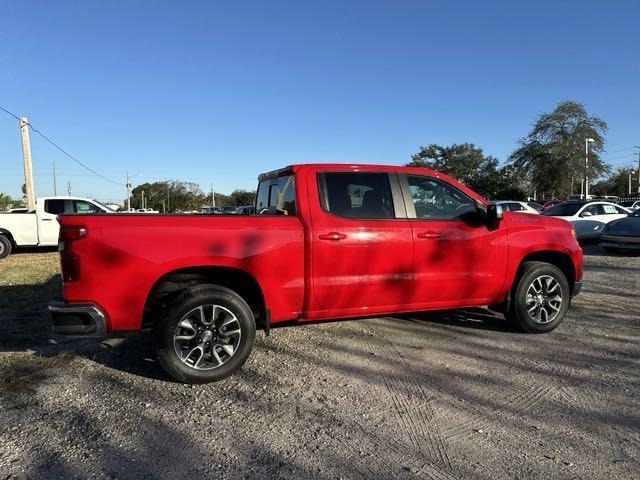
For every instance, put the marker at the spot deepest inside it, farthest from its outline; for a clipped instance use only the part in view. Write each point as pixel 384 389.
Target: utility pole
pixel 630 173
pixel 213 200
pixel 69 187
pixel 28 167
pixel 638 154
pixel 168 207
pixel 128 193
pixel 142 199
pixel 586 167
pixel 164 210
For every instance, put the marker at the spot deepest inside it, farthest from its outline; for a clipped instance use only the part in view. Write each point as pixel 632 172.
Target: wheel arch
pixel 175 282
pixel 6 233
pixel 554 257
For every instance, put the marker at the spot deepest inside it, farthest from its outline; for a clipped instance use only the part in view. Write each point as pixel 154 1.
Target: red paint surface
pixel 375 267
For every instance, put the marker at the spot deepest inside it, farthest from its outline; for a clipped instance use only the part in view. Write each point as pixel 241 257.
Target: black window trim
pixel 408 198
pixel 272 178
pixel 399 208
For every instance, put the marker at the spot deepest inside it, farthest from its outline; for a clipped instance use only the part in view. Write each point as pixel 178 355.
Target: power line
pixel 621 150
pixel 618 158
pixel 7 111
pixel 35 130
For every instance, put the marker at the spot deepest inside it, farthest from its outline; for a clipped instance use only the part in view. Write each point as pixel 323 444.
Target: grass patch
pixel 27 282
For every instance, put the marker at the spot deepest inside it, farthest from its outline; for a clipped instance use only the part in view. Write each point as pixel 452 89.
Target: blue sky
pixel 217 92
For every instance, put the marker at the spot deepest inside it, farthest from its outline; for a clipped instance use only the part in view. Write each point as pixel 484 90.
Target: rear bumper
pixel 77 319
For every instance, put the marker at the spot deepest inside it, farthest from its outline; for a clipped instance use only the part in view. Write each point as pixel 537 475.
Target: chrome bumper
pixel 77 319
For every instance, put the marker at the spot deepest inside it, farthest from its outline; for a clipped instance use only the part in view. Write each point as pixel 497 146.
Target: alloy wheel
pixel 207 337
pixel 544 299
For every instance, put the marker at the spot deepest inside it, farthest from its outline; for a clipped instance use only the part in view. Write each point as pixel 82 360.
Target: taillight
pixel 72 232
pixel 69 261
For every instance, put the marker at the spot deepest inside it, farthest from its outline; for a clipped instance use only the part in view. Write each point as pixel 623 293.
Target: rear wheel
pixel 540 299
pixel 5 246
pixel 206 336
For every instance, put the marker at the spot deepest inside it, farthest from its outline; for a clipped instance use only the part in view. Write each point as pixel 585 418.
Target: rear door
pixel 459 260
pixel 48 226
pixel 361 243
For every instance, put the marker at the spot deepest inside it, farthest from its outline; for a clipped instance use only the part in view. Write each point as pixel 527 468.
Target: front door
pixel 459 260
pixel 361 243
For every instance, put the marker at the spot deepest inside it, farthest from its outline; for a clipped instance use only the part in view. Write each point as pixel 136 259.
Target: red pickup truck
pixel 327 241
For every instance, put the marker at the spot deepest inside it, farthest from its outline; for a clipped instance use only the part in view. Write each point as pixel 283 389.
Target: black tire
pixel 5 246
pixel 518 312
pixel 205 296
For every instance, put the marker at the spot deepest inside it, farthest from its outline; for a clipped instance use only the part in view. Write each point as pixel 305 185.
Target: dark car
pixel 246 210
pixel 622 234
pixel 551 203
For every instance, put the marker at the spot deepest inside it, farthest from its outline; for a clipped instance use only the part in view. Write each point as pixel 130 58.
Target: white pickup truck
pixel 40 228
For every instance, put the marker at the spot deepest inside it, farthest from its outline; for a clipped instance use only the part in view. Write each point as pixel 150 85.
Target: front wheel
pixel 206 336
pixel 540 299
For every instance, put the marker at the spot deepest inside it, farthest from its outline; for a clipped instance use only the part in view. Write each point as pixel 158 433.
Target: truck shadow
pixel 25 326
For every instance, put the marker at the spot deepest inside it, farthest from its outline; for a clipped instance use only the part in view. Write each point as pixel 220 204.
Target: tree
pixel 6 202
pixel 464 162
pixel 553 153
pixel 617 183
pixel 175 195
pixel 242 197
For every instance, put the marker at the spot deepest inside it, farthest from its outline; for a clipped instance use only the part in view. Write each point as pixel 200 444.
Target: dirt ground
pixel 446 395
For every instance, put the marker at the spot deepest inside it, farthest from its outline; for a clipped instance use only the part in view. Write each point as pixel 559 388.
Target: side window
pixel 277 196
pixel 515 207
pixel 54 207
pixel 595 209
pixel 620 210
pixel 435 199
pixel 356 194
pixel 80 206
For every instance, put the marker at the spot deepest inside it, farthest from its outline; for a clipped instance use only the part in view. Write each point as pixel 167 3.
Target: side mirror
pixel 494 212
pixel 585 214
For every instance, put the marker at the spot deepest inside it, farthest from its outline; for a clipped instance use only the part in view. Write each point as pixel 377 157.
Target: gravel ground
pixel 447 395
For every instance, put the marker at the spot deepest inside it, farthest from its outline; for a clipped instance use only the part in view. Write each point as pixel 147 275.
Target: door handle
pixel 333 236
pixel 47 219
pixel 429 235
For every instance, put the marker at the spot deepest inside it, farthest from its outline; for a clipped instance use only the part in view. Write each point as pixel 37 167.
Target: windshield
pixel 635 213
pixel 627 203
pixel 563 210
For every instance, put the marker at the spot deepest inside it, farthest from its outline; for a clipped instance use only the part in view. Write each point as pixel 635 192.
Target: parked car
pixel 632 204
pixel 146 210
pixel 40 228
pixel 246 210
pixel 227 209
pixel 550 203
pixel 588 217
pixel 517 206
pixel 335 241
pixel 622 234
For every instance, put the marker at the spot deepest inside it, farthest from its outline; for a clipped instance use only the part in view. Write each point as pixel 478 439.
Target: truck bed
pixel 138 250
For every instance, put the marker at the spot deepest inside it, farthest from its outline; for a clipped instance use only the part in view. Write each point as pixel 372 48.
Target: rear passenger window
pixel 54 207
pixel 516 207
pixel 277 196
pixel 356 194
